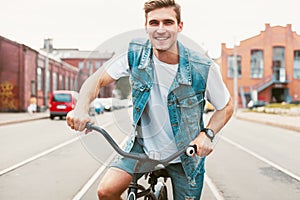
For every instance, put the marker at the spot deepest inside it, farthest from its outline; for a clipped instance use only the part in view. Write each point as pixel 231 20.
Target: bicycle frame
pixel 141 158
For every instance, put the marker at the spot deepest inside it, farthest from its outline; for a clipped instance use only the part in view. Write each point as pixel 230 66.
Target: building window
pixel 33 87
pixel 48 81
pixel 88 65
pixel 72 84
pixel 231 65
pixel 297 64
pixel 66 83
pixel 278 57
pixel 80 65
pixel 279 73
pixel 97 64
pixel 257 64
pixel 54 81
pixel 39 79
pixel 61 82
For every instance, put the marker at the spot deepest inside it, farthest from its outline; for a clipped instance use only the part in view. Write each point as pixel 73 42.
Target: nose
pixel 161 28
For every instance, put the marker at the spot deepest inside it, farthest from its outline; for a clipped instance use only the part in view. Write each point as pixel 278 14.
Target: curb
pixel 3 123
pixel 285 126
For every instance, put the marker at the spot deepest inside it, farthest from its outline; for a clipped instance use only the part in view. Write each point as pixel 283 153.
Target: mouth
pixel 160 38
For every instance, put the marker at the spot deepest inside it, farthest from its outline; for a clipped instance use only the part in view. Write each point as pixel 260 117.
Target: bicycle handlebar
pixel 189 150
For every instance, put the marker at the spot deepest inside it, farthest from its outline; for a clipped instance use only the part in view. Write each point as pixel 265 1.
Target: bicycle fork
pixel 157 190
pixel 134 188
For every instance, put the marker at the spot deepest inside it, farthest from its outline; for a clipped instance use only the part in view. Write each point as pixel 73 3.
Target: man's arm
pixel 217 121
pixel 78 117
pixel 220 117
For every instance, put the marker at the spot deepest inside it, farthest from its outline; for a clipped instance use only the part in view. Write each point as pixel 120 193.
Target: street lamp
pixel 47 47
pixel 235 78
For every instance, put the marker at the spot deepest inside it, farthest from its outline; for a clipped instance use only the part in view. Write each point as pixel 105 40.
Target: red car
pixel 61 102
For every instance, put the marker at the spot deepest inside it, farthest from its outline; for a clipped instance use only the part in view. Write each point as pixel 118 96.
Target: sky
pixel 88 24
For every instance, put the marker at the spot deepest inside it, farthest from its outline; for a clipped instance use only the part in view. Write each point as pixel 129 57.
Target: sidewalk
pixel 282 121
pixel 13 118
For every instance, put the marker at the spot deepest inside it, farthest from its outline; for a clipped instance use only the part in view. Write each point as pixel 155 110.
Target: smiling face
pixel 162 28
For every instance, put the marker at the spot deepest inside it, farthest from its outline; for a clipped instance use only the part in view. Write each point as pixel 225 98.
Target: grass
pixel 279 108
pixel 282 105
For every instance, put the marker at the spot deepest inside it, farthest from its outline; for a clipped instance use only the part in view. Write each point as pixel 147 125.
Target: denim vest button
pixel 175 124
pixel 142 88
pixel 190 102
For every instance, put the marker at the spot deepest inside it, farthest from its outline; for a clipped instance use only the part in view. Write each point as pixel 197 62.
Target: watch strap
pixel 206 130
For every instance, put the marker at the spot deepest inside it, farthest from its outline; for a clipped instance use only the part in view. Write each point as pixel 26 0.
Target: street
pixel 44 159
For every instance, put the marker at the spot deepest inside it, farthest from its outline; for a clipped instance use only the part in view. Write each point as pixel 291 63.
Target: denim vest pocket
pixel 191 108
pixel 137 89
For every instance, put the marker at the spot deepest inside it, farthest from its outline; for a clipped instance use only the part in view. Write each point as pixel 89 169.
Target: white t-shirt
pixel 156 128
pixel 157 133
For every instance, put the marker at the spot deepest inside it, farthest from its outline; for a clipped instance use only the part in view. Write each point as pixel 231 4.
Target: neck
pixel 168 57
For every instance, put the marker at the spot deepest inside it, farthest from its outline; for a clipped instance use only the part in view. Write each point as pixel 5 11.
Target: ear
pixel 180 26
pixel 146 30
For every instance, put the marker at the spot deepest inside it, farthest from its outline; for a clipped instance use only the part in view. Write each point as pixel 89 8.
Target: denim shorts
pixel 182 190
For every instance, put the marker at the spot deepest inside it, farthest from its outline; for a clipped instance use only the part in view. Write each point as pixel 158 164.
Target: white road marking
pixel 24 162
pixel 262 158
pixel 93 179
pixel 213 187
pixel 37 156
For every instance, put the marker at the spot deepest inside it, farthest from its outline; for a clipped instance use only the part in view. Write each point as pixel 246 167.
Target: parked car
pixel 107 103
pixel 255 104
pixel 61 102
pixel 98 106
pixel 296 102
pixel 92 110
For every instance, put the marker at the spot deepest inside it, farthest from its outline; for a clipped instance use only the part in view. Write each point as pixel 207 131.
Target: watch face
pixel 209 133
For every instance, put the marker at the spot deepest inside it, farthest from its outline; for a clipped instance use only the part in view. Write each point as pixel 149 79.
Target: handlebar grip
pixel 191 150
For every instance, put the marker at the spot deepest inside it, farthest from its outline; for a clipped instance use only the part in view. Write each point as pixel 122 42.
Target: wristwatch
pixel 209 133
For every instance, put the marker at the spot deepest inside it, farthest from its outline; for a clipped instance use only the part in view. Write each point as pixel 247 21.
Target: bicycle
pixel 157 190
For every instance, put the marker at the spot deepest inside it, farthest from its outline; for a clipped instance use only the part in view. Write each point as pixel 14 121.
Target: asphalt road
pixel 255 161
pixel 46 160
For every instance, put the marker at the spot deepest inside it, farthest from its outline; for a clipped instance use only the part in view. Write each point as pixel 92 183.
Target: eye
pixel 153 23
pixel 168 22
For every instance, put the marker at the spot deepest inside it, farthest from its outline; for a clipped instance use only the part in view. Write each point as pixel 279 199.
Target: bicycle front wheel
pixel 161 192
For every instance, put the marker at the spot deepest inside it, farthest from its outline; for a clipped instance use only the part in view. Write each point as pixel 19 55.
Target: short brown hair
pixel 151 5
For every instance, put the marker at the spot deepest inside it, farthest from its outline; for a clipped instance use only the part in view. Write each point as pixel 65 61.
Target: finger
pixel 207 151
pixel 76 124
pixel 70 123
pixel 70 120
pixel 204 151
pixel 83 123
pixel 87 131
pixel 200 151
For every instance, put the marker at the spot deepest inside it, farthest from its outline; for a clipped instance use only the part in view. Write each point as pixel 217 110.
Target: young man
pixel 169 85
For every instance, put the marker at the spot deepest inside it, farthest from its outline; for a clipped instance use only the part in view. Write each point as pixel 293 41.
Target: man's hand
pixel 204 145
pixel 77 120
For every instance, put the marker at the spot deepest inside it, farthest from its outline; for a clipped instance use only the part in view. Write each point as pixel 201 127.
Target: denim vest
pixel 185 98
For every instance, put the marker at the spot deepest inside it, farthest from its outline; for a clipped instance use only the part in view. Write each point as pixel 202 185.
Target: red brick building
pixel 27 74
pixel 87 62
pixel 268 66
